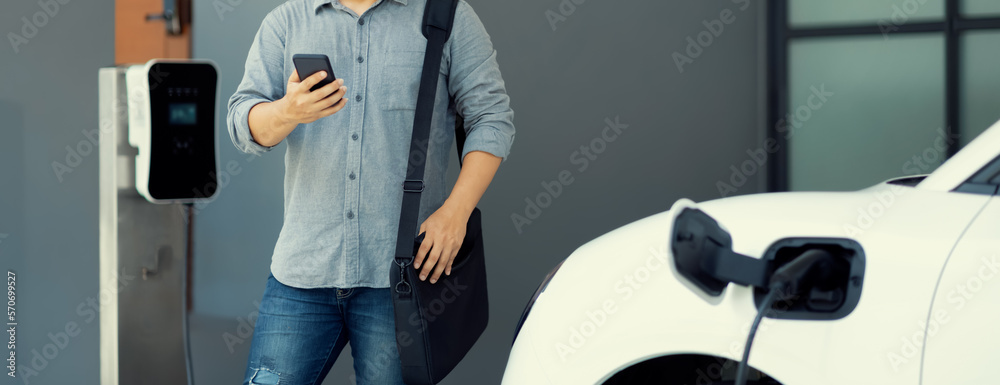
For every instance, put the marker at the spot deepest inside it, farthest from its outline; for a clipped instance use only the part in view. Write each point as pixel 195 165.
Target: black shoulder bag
pixel 436 324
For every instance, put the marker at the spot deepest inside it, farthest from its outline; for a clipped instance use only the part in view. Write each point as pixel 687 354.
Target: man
pixel 348 145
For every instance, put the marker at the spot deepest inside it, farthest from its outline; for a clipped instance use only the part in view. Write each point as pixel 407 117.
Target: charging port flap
pixel 831 291
pixel 703 254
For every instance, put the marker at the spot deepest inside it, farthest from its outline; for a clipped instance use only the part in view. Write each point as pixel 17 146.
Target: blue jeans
pixel 300 332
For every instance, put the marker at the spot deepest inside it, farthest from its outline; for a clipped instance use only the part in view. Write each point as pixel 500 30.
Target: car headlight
pixel 534 297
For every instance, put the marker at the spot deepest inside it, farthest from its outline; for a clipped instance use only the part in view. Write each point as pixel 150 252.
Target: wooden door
pixel 139 37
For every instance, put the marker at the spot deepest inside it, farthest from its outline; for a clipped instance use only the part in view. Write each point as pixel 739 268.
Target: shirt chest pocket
pixel 399 79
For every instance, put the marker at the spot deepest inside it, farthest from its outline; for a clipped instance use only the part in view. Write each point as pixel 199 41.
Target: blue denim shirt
pixel 344 173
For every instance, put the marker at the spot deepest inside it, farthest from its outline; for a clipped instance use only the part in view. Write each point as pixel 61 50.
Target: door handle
pixel 174 16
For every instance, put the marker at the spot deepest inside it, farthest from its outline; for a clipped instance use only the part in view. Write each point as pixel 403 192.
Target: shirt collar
pixel 319 3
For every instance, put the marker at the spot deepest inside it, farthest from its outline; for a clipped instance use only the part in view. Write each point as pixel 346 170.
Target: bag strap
pixel 439 16
pixel 459 137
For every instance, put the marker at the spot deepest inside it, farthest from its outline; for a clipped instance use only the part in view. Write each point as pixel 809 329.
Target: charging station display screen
pixel 182 145
pixel 183 114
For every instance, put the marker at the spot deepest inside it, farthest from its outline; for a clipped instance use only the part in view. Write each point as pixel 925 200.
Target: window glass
pixel 980 102
pixel 864 109
pixel 981 8
pixel 890 13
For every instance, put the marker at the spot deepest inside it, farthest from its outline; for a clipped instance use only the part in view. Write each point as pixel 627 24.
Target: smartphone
pixel 309 64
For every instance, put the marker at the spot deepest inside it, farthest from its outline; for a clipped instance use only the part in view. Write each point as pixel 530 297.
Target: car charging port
pixel 796 278
pixel 824 283
pixel 821 277
pixel 809 280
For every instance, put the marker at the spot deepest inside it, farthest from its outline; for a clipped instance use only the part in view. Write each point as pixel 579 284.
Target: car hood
pixel 617 300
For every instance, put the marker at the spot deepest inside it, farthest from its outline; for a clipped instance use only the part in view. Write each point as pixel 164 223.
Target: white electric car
pixel 894 284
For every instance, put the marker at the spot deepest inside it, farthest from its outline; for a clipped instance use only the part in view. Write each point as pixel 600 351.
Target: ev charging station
pixel 158 152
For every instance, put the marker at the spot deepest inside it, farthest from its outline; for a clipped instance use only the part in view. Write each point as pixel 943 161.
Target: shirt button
pixel 357 98
pixel 350 215
pixel 352 176
pixel 361 59
pixel 354 136
pixel 361 21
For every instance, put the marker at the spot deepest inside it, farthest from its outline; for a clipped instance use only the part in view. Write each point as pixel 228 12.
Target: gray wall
pixel 48 227
pixel 606 60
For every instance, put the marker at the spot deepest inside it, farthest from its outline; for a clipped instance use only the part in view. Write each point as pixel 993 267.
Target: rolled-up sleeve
pixel 477 87
pixel 263 81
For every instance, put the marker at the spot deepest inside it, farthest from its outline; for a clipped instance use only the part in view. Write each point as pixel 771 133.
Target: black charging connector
pixel 818 278
pixel 788 281
pixel 801 274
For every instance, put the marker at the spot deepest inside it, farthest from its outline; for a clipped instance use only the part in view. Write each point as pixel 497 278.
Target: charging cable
pixel 790 279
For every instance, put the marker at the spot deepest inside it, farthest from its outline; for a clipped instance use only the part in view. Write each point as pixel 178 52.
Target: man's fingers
pixel 421 252
pixel 311 81
pixel 432 260
pixel 425 246
pixel 332 103
pixel 441 265
pixel 333 109
pixel 325 91
pixel 332 98
pixel 306 106
pixel 451 262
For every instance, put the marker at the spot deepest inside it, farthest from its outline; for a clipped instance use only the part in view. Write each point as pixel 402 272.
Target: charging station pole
pixel 143 316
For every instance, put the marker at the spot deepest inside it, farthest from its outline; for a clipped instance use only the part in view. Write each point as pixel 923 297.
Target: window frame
pixel 780 35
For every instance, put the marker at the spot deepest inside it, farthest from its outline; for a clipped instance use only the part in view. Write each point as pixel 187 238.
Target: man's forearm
pixel 477 172
pixel 267 126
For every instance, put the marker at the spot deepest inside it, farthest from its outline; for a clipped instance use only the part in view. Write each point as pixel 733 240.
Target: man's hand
pixel 444 230
pixel 271 122
pixel 443 234
pixel 299 105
